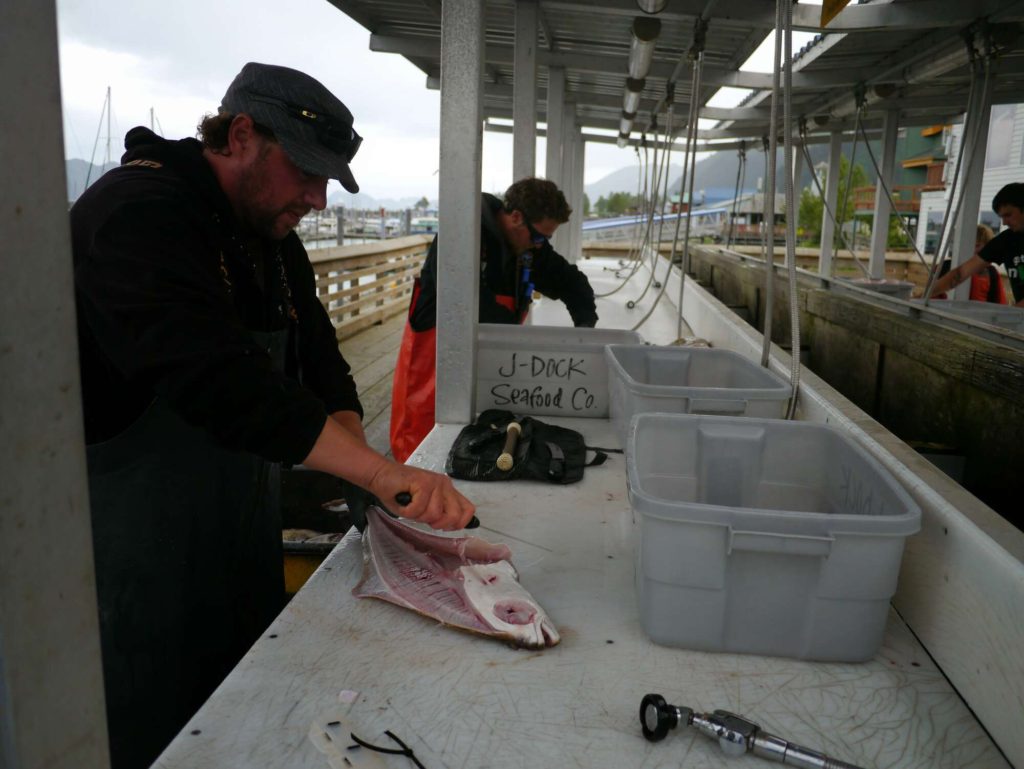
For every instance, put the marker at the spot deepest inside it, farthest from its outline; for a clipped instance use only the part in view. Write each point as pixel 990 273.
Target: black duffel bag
pixel 543 452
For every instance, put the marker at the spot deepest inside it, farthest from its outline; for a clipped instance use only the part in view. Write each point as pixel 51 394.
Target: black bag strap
pixel 556 467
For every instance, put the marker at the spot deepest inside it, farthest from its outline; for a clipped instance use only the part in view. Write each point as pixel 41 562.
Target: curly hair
pixel 537 199
pixel 212 130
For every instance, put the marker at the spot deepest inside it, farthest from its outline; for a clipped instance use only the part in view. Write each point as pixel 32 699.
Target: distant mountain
pixel 77 171
pixel 715 175
pixel 623 180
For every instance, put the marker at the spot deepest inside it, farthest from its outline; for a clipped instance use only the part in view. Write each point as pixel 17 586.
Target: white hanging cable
pixel 658 205
pixel 892 203
pixel 667 170
pixel 828 209
pixel 635 255
pixel 769 193
pixel 741 169
pixel 687 168
pixel 684 268
pixel 639 197
pixel 849 184
pixel 695 56
pixel 787 127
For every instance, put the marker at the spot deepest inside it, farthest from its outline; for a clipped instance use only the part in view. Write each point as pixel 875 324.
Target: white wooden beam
pixel 524 98
pixel 458 271
pixel 52 710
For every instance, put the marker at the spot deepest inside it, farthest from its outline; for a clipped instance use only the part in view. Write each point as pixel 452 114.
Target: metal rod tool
pixel 507 457
pixel 735 734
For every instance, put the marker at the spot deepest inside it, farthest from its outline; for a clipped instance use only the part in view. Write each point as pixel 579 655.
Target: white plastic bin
pixel 690 380
pixel 554 370
pixel 763 536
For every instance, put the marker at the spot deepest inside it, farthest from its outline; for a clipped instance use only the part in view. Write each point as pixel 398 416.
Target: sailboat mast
pixel 109 109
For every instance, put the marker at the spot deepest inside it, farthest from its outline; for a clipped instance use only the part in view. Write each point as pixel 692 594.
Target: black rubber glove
pixel 358 499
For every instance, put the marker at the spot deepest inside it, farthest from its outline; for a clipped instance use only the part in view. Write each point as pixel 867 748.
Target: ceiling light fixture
pixel 651 6
pixel 631 99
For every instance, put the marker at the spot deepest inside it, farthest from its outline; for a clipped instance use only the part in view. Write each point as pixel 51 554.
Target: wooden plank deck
pixel 372 354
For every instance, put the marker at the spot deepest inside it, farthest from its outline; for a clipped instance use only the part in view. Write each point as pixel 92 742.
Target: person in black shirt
pixel 206 358
pixel 1006 248
pixel 515 259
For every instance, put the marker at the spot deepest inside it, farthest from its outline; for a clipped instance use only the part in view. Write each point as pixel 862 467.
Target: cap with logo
pixel 311 123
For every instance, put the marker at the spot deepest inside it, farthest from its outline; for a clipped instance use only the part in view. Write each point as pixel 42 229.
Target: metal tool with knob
pixel 506 459
pixel 735 734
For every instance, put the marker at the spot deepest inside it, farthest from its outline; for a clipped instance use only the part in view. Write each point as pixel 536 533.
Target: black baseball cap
pixel 311 123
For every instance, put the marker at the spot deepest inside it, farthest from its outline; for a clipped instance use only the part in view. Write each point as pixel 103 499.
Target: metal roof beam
pixel 920 14
pixel 430 48
pixel 678 145
pixel 647 102
pixel 545 27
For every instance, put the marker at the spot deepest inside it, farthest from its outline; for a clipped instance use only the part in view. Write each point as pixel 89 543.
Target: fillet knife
pixel 358 499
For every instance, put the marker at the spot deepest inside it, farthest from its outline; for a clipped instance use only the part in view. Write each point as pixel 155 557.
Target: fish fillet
pixel 465 582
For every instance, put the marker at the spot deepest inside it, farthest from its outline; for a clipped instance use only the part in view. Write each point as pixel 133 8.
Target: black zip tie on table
pixel 404 751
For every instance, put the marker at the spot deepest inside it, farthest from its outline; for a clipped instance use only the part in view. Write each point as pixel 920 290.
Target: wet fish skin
pixel 464 582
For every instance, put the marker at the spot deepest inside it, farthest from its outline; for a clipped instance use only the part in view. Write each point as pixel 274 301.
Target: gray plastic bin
pixel 554 370
pixel 901 289
pixel 690 380
pixel 763 536
pixel 1002 315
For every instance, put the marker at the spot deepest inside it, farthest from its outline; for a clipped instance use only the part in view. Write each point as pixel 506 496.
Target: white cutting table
pixel 464 701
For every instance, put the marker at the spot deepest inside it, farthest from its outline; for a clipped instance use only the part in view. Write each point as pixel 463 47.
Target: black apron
pixel 187 540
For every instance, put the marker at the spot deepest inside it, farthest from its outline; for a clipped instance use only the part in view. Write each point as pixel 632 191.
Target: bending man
pixel 207 358
pixel 1006 248
pixel 515 258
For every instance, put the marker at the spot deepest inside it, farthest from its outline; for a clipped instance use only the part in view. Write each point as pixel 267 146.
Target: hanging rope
pixel 741 168
pixel 641 197
pixel 657 205
pixel 828 209
pixel 849 183
pixel 892 203
pixel 787 126
pixel 642 234
pixel 769 193
pixel 689 153
pixel 684 268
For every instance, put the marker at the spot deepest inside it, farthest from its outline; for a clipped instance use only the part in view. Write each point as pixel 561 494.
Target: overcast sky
pixel 178 57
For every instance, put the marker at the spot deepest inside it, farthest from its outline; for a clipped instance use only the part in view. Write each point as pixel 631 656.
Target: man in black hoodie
pixel 206 359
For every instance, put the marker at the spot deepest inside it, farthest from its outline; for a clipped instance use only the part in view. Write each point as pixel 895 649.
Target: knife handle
pixel 404 497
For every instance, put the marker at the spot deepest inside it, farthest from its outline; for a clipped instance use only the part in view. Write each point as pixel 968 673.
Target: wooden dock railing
pixel 366 284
